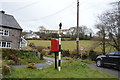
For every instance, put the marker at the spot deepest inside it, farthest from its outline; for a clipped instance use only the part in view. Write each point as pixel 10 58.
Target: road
pixel 108 70
pixel 48 62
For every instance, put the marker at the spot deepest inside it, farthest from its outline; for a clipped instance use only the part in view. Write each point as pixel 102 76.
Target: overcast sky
pixel 31 14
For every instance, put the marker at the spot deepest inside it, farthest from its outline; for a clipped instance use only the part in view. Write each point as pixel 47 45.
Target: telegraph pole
pixel 119 24
pixel 77 39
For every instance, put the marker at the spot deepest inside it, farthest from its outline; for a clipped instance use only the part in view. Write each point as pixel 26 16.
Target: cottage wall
pixel 13 38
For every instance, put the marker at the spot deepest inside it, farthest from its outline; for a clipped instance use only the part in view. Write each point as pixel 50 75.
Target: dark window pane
pixel 111 54
pixel 6 32
pixel 3 44
pixel 0 44
pixel 8 44
pixel 1 32
pixel 117 53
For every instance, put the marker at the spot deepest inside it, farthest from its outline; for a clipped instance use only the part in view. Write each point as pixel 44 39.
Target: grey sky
pixel 49 13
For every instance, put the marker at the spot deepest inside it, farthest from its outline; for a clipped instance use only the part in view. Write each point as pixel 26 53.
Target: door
pixel 117 58
pixel 110 58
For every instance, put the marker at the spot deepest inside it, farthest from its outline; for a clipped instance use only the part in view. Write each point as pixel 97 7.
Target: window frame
pixel 111 54
pixel 6 45
pixel 4 32
pixel 117 53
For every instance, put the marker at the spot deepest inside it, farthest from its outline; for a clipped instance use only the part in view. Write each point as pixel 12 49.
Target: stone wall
pixel 14 37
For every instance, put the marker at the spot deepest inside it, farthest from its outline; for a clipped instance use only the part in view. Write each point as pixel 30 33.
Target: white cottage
pixel 31 35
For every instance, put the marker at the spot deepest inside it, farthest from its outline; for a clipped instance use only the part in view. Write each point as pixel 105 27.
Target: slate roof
pixel 8 21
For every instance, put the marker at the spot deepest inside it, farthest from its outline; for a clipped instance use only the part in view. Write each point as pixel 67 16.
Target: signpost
pixel 59 61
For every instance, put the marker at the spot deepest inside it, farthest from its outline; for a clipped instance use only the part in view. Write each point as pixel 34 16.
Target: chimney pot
pixel 2 12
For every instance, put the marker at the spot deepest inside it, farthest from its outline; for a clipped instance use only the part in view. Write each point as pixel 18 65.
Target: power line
pixel 58 11
pixel 53 14
pixel 25 6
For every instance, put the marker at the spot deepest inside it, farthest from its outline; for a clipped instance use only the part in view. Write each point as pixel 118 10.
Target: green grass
pixel 88 61
pixel 66 45
pixel 71 45
pixel 70 69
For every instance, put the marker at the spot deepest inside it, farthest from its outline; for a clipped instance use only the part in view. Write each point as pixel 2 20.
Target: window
pixel 1 32
pixel 8 44
pixel 0 44
pixel 4 32
pixel 111 54
pixel 5 44
pixel 117 53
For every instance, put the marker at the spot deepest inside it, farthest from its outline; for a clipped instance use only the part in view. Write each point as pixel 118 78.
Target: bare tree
pixel 41 28
pixel 102 34
pixel 109 25
pixel 83 31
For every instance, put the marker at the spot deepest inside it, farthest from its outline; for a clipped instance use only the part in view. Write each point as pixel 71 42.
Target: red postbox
pixel 54 45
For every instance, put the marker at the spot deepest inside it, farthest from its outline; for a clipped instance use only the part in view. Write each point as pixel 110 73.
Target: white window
pixel 4 32
pixel 4 44
pixel 0 44
pixel 1 32
pixel 8 44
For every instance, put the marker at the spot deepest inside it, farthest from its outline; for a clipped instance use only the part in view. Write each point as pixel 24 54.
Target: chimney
pixel 2 12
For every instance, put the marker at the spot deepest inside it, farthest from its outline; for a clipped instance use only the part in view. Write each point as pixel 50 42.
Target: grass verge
pixel 70 69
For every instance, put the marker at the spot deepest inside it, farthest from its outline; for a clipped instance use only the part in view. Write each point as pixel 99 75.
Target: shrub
pixel 41 57
pixel 31 65
pixel 82 64
pixel 40 48
pixel 85 55
pixel 14 58
pixel 92 55
pixel 65 53
pixel 45 51
pixel 32 45
pixel 10 62
pixel 5 69
pixel 67 58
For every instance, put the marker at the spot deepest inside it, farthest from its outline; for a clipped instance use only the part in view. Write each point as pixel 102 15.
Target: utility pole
pixel 119 24
pixel 77 39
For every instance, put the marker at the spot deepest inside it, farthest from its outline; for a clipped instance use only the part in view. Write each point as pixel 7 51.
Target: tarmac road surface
pixel 48 62
pixel 108 70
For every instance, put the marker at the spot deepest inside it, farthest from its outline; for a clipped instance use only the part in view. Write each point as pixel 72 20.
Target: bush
pixel 92 55
pixel 31 65
pixel 45 51
pixel 5 69
pixel 85 55
pixel 40 48
pixel 41 57
pixel 32 45
pixel 14 58
pixel 67 58
pixel 65 53
pixel 83 65
pixel 11 62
